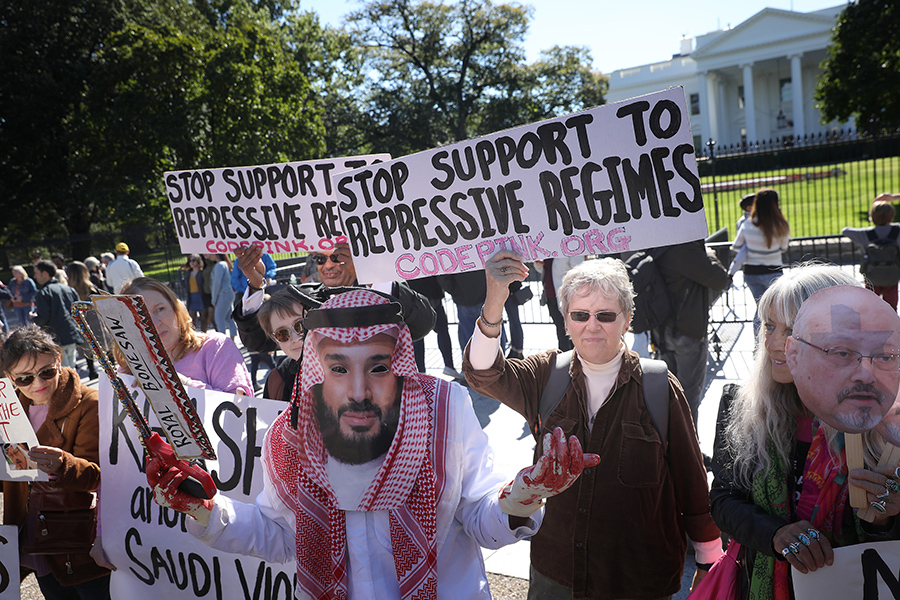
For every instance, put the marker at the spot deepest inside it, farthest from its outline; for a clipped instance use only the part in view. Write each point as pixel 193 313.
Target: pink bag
pixel 723 582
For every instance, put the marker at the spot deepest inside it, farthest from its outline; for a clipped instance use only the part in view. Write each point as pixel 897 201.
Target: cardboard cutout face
pixel 844 356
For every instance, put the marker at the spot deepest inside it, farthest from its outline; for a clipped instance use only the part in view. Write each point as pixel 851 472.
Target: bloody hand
pixel 555 472
pixel 178 484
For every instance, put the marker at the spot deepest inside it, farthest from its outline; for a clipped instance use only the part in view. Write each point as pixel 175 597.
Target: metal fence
pixel 825 182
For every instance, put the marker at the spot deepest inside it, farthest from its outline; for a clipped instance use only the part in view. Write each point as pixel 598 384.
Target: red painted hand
pixel 560 465
pixel 165 479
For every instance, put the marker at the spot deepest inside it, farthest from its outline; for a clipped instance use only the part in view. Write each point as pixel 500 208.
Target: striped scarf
pixel 407 484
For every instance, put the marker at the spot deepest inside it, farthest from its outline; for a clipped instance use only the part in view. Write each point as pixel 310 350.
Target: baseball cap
pixel 121 247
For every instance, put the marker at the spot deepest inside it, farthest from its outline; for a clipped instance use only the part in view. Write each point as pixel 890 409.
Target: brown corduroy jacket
pixel 619 531
pixel 72 425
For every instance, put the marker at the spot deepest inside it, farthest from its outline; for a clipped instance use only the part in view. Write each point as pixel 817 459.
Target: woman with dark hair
pixel 63 412
pixel 766 235
pixel 193 289
pixel 79 279
pixel 204 360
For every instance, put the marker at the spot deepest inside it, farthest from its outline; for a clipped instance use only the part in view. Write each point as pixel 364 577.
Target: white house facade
pixel 751 83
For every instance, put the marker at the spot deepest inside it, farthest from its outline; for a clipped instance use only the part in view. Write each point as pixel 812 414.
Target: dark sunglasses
pixel 47 374
pixel 283 334
pixel 321 259
pixel 604 316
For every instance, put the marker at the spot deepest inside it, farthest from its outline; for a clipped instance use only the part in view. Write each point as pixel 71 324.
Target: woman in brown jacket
pixel 63 413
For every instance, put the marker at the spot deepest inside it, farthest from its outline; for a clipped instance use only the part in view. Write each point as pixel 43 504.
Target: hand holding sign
pixel 500 270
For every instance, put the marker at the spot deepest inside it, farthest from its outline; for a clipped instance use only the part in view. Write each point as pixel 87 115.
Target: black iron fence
pixel 825 182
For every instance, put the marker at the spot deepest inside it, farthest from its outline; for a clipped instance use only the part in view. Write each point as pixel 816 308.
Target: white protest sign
pixel 610 179
pixel 286 207
pixel 862 571
pixel 129 322
pixel 9 562
pixel 16 438
pixel 149 545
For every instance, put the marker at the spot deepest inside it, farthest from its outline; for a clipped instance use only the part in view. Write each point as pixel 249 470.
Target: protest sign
pixel 864 571
pixel 16 437
pixel 9 562
pixel 155 555
pixel 129 322
pixel 286 207
pixel 610 179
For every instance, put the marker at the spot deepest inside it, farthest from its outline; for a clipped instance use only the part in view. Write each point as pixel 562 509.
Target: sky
pixel 619 33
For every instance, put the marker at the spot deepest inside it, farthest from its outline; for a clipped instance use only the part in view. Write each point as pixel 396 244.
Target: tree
pixel 443 72
pixel 863 67
pixel 435 64
pixel 100 97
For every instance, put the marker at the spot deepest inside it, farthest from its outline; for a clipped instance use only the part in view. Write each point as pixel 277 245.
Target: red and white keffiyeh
pixel 405 485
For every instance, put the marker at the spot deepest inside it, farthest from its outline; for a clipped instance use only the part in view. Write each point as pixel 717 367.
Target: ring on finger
pixel 813 533
pixel 891 485
pixel 897 472
pixel 804 539
pixel 785 551
pixel 879 505
pixel 795 547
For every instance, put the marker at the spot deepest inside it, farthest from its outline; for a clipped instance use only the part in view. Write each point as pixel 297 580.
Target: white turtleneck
pixel 600 381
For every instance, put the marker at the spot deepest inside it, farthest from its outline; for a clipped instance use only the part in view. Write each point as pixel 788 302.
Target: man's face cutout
pixel 852 397
pixel 358 403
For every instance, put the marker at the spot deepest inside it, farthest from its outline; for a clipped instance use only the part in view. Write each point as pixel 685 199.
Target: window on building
pixel 787 93
pixel 741 97
pixel 698 144
pixel 695 104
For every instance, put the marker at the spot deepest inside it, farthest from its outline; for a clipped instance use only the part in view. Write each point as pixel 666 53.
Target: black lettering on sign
pixel 4 574
pixel 873 566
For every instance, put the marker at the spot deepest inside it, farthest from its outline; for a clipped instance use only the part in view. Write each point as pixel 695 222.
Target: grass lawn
pixel 817 206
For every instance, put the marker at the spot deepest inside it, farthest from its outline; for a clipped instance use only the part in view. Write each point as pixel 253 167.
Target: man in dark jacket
pixel 690 271
pixel 53 310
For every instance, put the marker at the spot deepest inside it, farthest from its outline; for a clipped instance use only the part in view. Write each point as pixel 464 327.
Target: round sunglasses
pixel 45 374
pixel 604 316
pixel 283 334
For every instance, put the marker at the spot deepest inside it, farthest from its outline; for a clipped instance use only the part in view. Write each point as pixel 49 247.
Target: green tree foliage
pixel 443 72
pixel 99 98
pixel 863 67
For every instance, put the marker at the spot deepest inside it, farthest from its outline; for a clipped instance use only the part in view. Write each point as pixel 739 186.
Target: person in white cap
pixel 122 270
pixel 378 481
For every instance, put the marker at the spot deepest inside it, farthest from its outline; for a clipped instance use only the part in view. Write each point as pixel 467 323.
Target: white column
pixel 749 104
pixel 709 106
pixel 797 93
pixel 705 125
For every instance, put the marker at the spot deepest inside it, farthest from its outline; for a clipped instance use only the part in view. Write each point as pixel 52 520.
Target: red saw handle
pixel 198 484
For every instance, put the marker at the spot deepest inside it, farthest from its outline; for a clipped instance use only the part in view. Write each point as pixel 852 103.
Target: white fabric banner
pixel 862 572
pixel 149 545
pixel 609 179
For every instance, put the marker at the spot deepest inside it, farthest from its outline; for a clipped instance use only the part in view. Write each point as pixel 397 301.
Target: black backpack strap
pixel 894 234
pixel 555 389
pixel 655 381
pixel 870 233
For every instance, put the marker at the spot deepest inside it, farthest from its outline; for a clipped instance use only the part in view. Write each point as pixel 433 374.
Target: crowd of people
pixel 379 479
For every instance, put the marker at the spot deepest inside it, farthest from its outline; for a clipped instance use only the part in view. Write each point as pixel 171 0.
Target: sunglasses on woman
pixel 321 259
pixel 283 334
pixel 46 374
pixel 604 316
